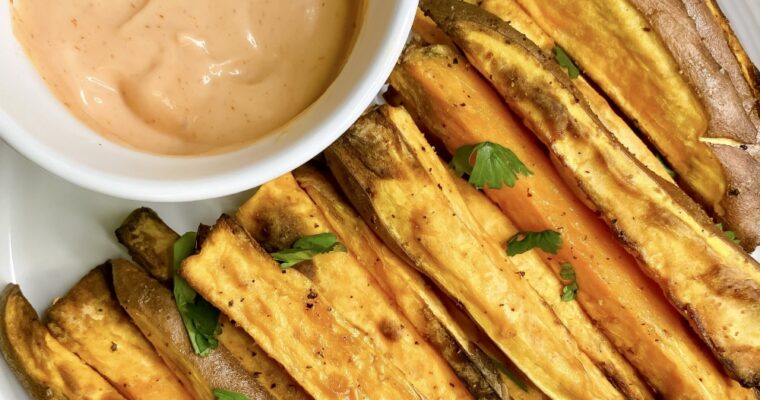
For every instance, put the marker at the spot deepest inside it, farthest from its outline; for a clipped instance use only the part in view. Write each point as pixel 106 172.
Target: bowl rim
pixel 233 180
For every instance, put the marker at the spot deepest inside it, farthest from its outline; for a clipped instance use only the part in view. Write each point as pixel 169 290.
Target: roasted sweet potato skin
pixel 90 322
pixel 149 242
pixel 46 369
pixel 289 319
pixel 152 308
pixel 716 289
pixel 380 173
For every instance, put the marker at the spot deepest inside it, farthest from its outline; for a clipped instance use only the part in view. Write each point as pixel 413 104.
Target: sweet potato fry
pixel 283 210
pixel 152 308
pixel 289 319
pixel 641 323
pixel 150 242
pixel 656 64
pixel 90 322
pixel 717 288
pixel 386 177
pixel 418 301
pixel 46 369
pixel 510 10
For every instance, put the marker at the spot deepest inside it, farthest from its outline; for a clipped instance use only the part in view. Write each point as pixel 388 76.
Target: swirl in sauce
pixel 186 77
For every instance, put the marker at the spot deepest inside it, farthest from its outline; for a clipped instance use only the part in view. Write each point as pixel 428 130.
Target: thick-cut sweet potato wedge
pixel 267 372
pixel 641 323
pixel 543 279
pixel 732 134
pixel 154 236
pixel 510 10
pixel 152 308
pixel 282 209
pixel 382 172
pixel 46 369
pixel 149 242
pixel 90 322
pixel 711 281
pixel 649 57
pixel 289 319
pixel 414 296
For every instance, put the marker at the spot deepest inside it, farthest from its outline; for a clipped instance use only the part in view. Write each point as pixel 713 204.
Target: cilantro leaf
pixel 200 318
pixel 548 241
pixel 493 165
pixel 221 394
pixel 730 235
pixel 570 289
pixel 307 247
pixel 566 62
pixel 510 374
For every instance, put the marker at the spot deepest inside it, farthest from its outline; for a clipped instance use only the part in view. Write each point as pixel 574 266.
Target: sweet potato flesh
pixel 45 368
pixel 280 206
pixel 415 298
pixel 641 324
pixel 615 45
pixel 289 320
pixel 717 287
pixel 381 173
pixel 90 322
pixel 510 10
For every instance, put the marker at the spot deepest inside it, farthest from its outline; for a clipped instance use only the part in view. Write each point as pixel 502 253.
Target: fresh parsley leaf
pixel 221 394
pixel 307 247
pixel 667 167
pixel 570 289
pixel 548 241
pixel 730 235
pixel 493 165
pixel 566 62
pixel 510 374
pixel 200 318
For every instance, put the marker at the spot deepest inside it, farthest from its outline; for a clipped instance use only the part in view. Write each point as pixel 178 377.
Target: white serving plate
pixel 52 232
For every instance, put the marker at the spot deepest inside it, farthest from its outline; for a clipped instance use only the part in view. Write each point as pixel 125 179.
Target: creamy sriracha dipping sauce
pixel 186 77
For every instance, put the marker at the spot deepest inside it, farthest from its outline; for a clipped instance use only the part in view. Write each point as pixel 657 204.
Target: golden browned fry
pixel 288 318
pixel 151 247
pixel 714 284
pixel 149 242
pixel 418 301
pixel 649 57
pixel 90 322
pixel 268 373
pixel 641 324
pixel 732 135
pixel 283 210
pixel 397 183
pixel 543 279
pixel 46 369
pixel 152 308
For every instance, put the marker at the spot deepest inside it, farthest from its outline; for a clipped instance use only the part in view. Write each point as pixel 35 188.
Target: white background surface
pixel 52 232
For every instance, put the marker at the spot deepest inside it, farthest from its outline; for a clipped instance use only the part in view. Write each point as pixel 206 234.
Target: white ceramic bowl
pixel 34 122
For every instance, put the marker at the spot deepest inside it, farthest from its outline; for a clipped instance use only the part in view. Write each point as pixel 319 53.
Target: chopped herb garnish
pixel 665 165
pixel 201 319
pixel 565 62
pixel 730 235
pixel 307 247
pixel 221 394
pixel 510 374
pixel 488 165
pixel 548 241
pixel 570 289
